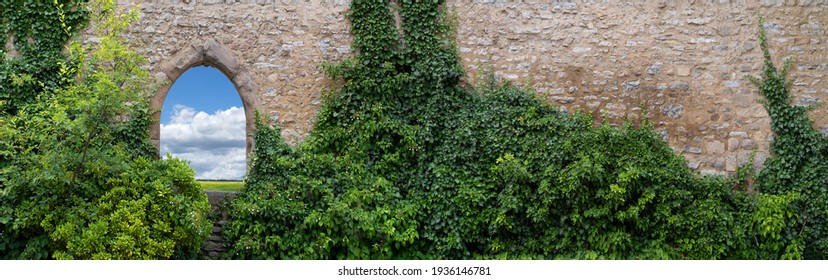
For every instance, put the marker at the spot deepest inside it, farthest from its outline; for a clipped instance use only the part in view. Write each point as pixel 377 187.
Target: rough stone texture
pixel 715 147
pixel 732 144
pixel 269 48
pixel 216 197
pixel 214 246
pixel 682 62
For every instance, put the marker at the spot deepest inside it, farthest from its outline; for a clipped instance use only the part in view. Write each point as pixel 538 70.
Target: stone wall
pixel 681 62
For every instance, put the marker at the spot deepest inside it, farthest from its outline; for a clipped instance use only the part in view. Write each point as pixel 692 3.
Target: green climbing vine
pixel 406 162
pixel 39 30
pixel 798 168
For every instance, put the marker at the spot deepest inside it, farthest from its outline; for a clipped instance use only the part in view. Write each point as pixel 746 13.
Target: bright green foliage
pixel 78 178
pixel 798 170
pixel 133 219
pixel 324 207
pixel 771 220
pixel 405 162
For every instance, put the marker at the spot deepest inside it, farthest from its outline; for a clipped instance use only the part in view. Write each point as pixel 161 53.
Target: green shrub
pixel 78 175
pixel 405 162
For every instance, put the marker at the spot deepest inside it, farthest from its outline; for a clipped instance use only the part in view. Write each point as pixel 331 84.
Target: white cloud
pixel 213 143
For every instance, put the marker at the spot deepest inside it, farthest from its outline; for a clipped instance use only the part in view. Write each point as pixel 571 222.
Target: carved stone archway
pixel 211 53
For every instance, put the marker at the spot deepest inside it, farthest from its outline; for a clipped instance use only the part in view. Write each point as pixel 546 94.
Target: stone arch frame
pixel 209 53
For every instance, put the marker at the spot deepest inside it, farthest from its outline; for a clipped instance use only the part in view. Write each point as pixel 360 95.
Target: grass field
pixel 221 185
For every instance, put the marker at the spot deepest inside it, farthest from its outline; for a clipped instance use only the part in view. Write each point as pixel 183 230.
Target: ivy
pixel 407 162
pixel 39 30
pixel 798 169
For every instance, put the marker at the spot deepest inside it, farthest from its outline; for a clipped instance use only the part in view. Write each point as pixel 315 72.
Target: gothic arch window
pixel 207 53
pixel 202 121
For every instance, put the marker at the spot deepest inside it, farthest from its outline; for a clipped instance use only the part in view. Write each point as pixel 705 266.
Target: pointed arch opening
pixel 212 54
pixel 202 121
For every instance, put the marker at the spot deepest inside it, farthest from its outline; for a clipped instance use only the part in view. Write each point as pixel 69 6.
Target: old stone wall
pixel 681 62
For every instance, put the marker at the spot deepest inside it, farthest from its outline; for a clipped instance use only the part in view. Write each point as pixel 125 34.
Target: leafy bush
pixel 78 175
pixel 406 162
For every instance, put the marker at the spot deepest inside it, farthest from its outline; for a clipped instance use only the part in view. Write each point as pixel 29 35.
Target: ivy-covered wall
pixel 682 62
pixel 407 160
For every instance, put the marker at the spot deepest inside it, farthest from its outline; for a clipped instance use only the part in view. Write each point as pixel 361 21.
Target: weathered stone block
pixel 631 85
pixel 218 55
pixel 679 86
pixel 694 164
pixel 563 99
pixel 214 247
pixel 740 134
pixel 732 84
pixel 732 144
pixel 719 164
pixel 773 2
pixel 692 150
pixel 182 61
pixel 655 68
pixel 672 110
pixel 731 164
pixel 715 147
pixel 683 70
pixel 708 172
pixel 748 144
pixel 807 100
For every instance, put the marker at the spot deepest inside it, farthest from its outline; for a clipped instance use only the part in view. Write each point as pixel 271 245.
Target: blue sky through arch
pixel 202 88
pixel 202 121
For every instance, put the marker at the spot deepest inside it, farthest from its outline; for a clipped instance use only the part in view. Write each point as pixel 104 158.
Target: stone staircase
pixel 214 247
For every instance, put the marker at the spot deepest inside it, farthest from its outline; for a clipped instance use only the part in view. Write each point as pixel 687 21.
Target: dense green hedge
pixel 405 162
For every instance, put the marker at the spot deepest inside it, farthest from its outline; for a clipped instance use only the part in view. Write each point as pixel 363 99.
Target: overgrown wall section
pixel 682 62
